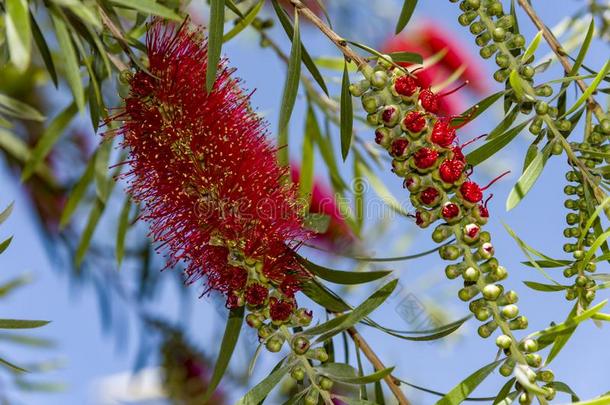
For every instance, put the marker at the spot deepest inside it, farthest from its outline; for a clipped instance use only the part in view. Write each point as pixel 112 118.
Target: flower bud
pixel 312 397
pixel 379 79
pixel 525 399
pixel 390 115
pixel 298 373
pixel 319 353
pixel 450 252
pixel 471 274
pixel 518 323
pixel 483 314
pixel 486 250
pixel 468 293
pixel 441 233
pixel 274 344
pixel 506 369
pixel 325 383
pixel 370 103
pixel 503 341
pixel 510 311
pixel 510 297
pixel 300 344
pixel 533 360
pixel 487 329
pixel 545 376
pixel 491 292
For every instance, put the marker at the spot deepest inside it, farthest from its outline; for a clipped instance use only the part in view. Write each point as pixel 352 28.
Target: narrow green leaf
pixel 347 114
pixel 408 6
pixel 307 59
pixel 25 340
pixel 353 401
pixel 244 22
pixel 549 264
pixel 365 379
pixel 342 277
pixel 461 391
pixel 48 138
pixel 527 180
pixel 19 109
pixel 505 124
pixel 262 389
pixel 6 212
pixel 229 340
pixel 603 400
pixel 406 57
pixel 545 287
pixel 5 244
pixel 515 82
pixel 215 37
pixel 78 192
pixel 69 58
pixel 103 183
pixel 583 48
pixel 13 284
pixel 563 387
pixel 560 341
pixel 571 322
pixel 488 149
pixel 532 46
pixel 149 7
pixel 312 132
pixel 596 245
pixel 291 89
pixel 18 32
pixel 97 209
pixel 604 70
pixel 422 336
pixel 504 391
pixel 477 109
pixel 12 366
pixel 21 324
pixel 441 394
pixel 321 295
pixel 122 230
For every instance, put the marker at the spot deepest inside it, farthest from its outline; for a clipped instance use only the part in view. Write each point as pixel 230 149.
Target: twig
pixel 341 43
pixel 393 383
pixel 558 50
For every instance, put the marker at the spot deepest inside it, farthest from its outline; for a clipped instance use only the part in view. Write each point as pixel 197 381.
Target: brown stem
pixel 558 50
pixel 393 383
pixel 341 43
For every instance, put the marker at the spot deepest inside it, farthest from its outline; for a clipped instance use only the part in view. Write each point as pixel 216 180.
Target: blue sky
pixel 90 354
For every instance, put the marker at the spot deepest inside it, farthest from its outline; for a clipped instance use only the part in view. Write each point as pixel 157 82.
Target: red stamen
pixel 496 179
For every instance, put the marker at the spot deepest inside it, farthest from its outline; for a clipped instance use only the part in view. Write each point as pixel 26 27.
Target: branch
pixel 341 43
pixel 558 50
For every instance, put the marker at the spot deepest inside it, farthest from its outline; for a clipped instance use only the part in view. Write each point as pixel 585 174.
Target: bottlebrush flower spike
pixel 206 176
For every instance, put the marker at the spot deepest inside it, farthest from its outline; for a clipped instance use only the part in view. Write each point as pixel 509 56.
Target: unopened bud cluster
pixel 424 151
pixel 590 153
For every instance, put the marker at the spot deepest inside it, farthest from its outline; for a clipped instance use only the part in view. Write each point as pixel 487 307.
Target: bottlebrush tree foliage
pixel 176 160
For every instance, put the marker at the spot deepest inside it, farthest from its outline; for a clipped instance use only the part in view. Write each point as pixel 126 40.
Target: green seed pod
pixel 506 369
pixel 471 274
pixel 510 311
pixel 491 292
pixel 487 329
pixel 298 373
pixel 503 341
pixel 518 323
pixel 325 383
pixel 499 34
pixel 510 297
pixel 468 293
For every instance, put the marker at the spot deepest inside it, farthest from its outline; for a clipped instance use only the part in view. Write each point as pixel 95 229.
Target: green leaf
pixel 504 391
pixel 150 7
pixel 327 369
pixel 342 277
pixel 260 390
pixel 527 180
pixel 122 230
pixel 25 340
pixel 461 391
pixel 97 209
pixel 408 6
pixel 244 22
pixel 321 295
pixel 18 32
pixel 103 184
pixel 560 341
pixel 48 138
pixel 69 59
pixel 362 310
pixel 316 222
pixel 488 149
pixel 21 324
pixel 19 109
pixel 12 366
pixel 229 340
pixel 570 322
pixel 603 400
pixel 505 124
pixel 441 394
pixel 477 109
pixel 78 192
pixel 587 93
pixel 563 387
pixel 583 49
pixel 354 401
pixel 406 57
pixel 596 244
pixel 307 59
pixel 347 114
pixel 425 335
pixel 6 213
pixel 515 82
pixel 5 244
pixel 545 287
pixel 291 89
pixel 16 282
pixel 533 46
pixel 382 191
pixel 312 132
pixel 215 37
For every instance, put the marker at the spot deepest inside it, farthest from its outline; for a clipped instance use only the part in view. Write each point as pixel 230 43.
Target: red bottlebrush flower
pixel 379 136
pixel 425 157
pixel 200 166
pixel 443 134
pixel 406 85
pixel 237 277
pixel 471 192
pixel 450 211
pixel 414 121
pixel 399 147
pixel 256 294
pixel 458 154
pixel 451 170
pixel 472 230
pixel 280 310
pixel 429 195
pixel 419 220
pixel 289 286
pixel 483 211
pixel 429 101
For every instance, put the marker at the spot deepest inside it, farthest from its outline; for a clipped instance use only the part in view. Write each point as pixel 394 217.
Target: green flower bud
pixel 495 9
pixel 497 274
pixel 466 18
pixel 517 41
pixel 487 329
pixel 452 271
pixel 491 292
pixel 544 91
pixel 385 62
pixel 471 274
pixel 468 293
pixel 373 119
pixel 510 311
pixel 590 296
pixel 488 51
pixel 370 103
pixel 499 34
pixel 518 323
pixel 477 27
pixel 325 383
pixel 312 397
pixel 510 297
pixel 450 252
pixel 483 314
pixel 298 373
pixel 564 125
pixel 359 88
pixel 505 22
pixel 605 126
pixel 264 332
pixel 300 344
pixel 546 376
pixel 527 72
pixel 489 265
pixel 549 392
pixel 571 294
pixel 485 251
pixel 274 344
pixel 379 79
pixel 506 369
pixel 502 60
pixel 253 321
pixel 473 4
pixel 533 360
pixel 542 108
pixel 483 39
pixel 525 399
pixel 503 341
pixel 319 353
pixel 401 168
pixel 441 233
pixel 581 281
pixel 501 75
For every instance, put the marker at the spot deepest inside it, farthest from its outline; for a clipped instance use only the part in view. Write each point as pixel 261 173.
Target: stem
pixel 341 43
pixel 558 50
pixel 116 33
pixel 392 382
